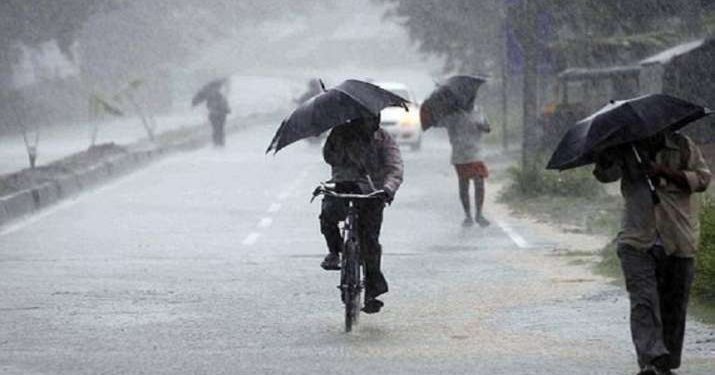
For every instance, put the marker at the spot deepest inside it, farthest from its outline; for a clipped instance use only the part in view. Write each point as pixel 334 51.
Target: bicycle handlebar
pixel 323 189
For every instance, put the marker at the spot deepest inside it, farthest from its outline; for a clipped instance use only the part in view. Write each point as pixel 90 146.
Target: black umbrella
pixel 622 122
pixel 207 89
pixel 348 101
pixel 456 94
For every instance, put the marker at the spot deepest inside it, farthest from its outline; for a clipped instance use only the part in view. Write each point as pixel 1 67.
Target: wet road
pixel 207 263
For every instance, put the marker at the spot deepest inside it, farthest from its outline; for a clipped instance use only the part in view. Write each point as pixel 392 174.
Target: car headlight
pixel 410 120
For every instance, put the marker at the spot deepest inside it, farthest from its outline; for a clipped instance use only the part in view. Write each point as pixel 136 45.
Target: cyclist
pixel 363 158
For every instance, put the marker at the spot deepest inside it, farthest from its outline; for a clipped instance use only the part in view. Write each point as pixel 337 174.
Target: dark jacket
pixel 352 154
pixel 217 104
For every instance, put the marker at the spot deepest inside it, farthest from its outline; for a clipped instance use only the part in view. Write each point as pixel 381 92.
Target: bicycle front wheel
pixel 351 287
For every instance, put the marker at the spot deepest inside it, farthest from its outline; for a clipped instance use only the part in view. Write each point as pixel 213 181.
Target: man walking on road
pixel 355 152
pixel 218 110
pixel 658 240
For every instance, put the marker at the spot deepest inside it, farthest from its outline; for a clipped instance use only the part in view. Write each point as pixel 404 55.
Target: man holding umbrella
pixel 217 106
pixel 363 158
pixel 660 169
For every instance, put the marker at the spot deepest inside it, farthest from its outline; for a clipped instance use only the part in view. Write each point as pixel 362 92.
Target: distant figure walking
pixel 465 133
pixel 218 108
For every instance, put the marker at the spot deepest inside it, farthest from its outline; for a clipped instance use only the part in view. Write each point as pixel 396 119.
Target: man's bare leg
pixel 464 197
pixel 479 192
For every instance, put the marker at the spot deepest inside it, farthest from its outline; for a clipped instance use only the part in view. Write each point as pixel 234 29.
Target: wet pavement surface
pixel 207 262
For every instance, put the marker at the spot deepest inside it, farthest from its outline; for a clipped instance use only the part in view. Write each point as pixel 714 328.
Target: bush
pixel 537 181
pixel 610 265
pixel 704 286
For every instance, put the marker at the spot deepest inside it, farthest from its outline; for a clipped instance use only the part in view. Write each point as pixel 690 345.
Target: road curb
pixel 46 194
pixel 28 201
pixel 4 216
pixel 139 155
pixel 18 204
pixel 69 185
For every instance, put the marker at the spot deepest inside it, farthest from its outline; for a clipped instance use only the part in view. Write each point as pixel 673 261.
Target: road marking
pixel 515 237
pixel 265 222
pixel 251 239
pixel 294 185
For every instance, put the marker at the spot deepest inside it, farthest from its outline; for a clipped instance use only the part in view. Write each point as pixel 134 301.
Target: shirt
pixel 465 133
pixel 675 219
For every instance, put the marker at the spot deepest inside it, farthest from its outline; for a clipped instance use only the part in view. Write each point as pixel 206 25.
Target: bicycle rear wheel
pixel 351 287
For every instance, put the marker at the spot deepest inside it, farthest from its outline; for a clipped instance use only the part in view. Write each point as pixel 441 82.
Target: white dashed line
pixel 251 239
pixel 275 207
pixel 515 237
pixel 265 222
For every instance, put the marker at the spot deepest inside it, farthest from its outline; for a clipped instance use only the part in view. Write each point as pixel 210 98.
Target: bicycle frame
pixel 351 282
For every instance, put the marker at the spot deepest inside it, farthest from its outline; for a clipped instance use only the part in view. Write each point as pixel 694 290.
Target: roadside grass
pixel 609 265
pixel 704 286
pixel 703 310
pixel 572 199
pixel 702 303
pixel 577 203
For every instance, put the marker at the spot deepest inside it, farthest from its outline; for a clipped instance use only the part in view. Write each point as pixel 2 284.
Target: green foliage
pixel 610 265
pixel 467 33
pixel 99 106
pixel 704 286
pixel 536 181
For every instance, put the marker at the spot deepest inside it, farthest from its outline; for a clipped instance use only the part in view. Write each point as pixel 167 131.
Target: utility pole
pixel 530 97
pixel 692 19
pixel 504 51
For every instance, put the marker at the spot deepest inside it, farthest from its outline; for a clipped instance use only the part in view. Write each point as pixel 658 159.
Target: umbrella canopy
pixel 348 101
pixel 207 89
pixel 456 94
pixel 622 122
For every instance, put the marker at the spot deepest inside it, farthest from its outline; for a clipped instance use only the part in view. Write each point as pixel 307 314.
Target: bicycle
pixel 351 280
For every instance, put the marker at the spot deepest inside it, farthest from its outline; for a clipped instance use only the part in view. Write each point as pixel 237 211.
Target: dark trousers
pixel 369 223
pixel 218 122
pixel 659 288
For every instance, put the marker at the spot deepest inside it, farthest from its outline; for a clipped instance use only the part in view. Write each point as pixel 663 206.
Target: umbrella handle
pixel 653 194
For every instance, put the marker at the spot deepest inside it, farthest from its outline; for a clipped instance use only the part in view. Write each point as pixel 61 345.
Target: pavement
pixel 208 263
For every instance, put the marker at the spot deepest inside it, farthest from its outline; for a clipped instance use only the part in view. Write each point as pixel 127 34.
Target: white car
pixel 403 125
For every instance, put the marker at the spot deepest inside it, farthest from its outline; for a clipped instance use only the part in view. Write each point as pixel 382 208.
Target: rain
pixel 362 186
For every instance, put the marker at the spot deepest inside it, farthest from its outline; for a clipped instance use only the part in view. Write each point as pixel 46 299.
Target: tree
pixel 18 118
pixel 556 33
pixel 34 22
pixel 144 38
